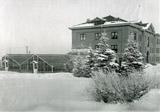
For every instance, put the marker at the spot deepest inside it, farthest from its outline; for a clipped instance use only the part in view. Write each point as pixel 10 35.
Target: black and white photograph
pixel 79 55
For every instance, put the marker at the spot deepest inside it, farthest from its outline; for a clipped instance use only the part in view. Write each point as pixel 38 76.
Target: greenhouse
pixel 35 63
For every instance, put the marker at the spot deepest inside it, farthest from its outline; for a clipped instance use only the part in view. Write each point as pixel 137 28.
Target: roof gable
pixel 54 59
pixel 20 58
pixel 111 18
pixel 96 21
pixel 151 28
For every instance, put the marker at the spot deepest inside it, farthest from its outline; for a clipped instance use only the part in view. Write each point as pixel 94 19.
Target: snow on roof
pixel 96 19
pixel 147 26
pixel 115 22
pixel 143 26
pixel 106 23
pixel 110 20
pixel 84 24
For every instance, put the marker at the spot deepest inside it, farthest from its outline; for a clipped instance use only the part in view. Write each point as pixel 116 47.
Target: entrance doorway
pixel 35 66
pixel 6 66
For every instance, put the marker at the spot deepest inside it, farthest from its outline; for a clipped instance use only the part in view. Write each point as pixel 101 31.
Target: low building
pixel 0 64
pixel 86 35
pixel 36 62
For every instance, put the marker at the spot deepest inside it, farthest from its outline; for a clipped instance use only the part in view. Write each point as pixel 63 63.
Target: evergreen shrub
pixel 114 88
pixel 79 67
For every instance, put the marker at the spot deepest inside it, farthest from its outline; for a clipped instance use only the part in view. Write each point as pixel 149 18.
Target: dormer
pixel 151 28
pixel 113 19
pixel 96 21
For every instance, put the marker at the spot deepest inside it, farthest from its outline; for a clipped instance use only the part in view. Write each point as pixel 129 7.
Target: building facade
pixel 87 35
pixel 35 63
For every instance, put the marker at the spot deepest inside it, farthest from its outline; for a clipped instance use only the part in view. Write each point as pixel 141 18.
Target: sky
pixel 42 25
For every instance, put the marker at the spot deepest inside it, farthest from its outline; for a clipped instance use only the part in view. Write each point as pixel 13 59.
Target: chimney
pixel 26 49
pixel 88 20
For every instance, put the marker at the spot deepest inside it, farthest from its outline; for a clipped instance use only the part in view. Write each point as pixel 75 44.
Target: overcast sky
pixel 43 24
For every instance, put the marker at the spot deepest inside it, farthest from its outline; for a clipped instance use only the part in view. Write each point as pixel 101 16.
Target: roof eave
pixel 103 26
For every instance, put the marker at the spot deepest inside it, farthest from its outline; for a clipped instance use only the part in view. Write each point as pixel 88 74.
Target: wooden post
pixel 27 65
pixel 20 68
pixel 33 67
pixel 52 69
pixel 43 67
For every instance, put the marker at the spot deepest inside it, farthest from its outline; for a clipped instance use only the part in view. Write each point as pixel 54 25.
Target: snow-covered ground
pixel 153 70
pixel 62 92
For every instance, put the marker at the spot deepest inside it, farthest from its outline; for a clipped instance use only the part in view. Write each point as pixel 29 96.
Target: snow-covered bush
pixel 113 87
pixel 79 67
pixel 103 57
pixel 132 57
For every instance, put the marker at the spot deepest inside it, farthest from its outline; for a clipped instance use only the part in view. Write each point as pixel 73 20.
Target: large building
pixel 87 35
pixel 36 62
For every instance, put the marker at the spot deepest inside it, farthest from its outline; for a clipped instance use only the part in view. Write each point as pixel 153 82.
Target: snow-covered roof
pixel 110 20
pixel 84 24
pixel 147 26
pixel 92 25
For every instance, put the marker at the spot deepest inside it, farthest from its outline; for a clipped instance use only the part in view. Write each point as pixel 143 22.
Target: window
pixel 115 48
pixel 157 50
pixel 82 37
pixel 114 35
pixel 153 59
pixel 157 59
pixel 147 41
pixel 158 41
pixel 96 46
pixel 135 36
pixel 140 48
pixel 97 36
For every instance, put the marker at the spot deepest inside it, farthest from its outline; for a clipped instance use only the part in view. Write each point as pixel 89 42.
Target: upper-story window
pixel 157 59
pixel 153 50
pixel 140 48
pixel 158 41
pixel 97 36
pixel 114 35
pixel 115 48
pixel 157 50
pixel 82 37
pixel 147 41
pixel 135 36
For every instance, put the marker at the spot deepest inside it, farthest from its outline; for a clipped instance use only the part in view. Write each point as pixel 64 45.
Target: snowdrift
pixel 63 92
